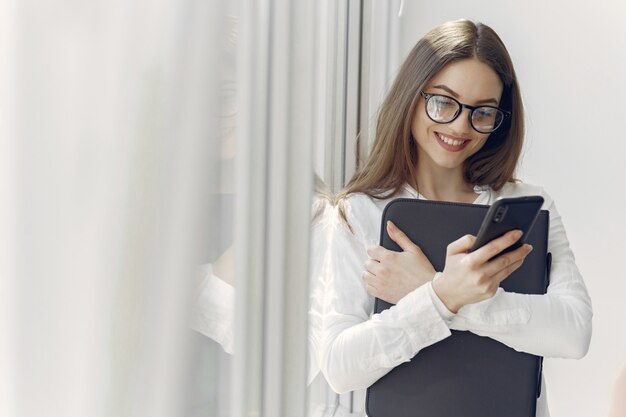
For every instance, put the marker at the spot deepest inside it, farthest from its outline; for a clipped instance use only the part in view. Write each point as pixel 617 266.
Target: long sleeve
pixel 353 349
pixel 557 324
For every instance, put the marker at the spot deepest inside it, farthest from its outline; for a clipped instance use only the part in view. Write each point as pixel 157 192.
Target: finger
pixel 376 252
pixel 461 245
pixel 374 267
pixel 506 272
pixel 368 278
pixel 371 290
pixel 496 246
pixel 371 286
pixel 504 261
pixel 401 238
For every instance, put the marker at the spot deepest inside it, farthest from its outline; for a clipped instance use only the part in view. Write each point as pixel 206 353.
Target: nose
pixel 462 125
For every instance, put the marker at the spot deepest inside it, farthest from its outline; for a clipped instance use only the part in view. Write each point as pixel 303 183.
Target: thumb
pixel 461 245
pixel 401 239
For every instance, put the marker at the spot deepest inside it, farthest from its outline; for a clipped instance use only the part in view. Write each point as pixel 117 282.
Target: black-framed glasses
pixel 444 109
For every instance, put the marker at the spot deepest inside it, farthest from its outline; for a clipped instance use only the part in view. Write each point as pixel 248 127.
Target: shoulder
pixel 363 207
pixel 360 201
pixel 361 214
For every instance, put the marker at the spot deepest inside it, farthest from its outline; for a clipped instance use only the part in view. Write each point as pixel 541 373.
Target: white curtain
pixel 107 154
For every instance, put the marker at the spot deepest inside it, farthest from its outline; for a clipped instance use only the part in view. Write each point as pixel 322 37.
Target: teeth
pixel 451 141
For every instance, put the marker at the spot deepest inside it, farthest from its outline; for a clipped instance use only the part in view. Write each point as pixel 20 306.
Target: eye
pixel 485 112
pixel 442 101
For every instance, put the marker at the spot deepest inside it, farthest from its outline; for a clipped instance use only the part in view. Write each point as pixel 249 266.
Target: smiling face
pixel 448 145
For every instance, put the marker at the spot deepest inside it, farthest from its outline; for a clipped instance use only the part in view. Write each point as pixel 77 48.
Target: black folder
pixel 464 375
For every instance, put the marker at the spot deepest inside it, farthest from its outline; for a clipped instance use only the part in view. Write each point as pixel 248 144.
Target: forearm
pixel 355 354
pixel 551 325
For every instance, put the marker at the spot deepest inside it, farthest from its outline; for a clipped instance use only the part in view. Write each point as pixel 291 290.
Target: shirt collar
pixel 483 192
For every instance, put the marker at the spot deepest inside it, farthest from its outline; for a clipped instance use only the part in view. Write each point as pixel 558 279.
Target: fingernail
pixel 529 248
pixel 518 234
pixel 390 225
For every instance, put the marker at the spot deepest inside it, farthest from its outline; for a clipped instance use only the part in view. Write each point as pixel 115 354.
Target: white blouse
pixel 354 348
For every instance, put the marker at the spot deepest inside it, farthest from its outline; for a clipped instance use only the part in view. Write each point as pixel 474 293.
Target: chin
pixel 450 164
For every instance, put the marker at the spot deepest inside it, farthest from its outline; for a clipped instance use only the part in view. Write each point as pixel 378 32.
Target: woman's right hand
pixel 469 278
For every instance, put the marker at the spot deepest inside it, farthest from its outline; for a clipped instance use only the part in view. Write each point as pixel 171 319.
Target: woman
pixel 451 128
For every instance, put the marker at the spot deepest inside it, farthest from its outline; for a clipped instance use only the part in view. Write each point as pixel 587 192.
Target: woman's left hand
pixel 391 275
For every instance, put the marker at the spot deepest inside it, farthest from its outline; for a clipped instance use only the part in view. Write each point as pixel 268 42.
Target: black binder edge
pixel 548 269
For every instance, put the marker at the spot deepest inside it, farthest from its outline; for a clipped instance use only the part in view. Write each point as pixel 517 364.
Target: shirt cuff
pixel 213 311
pixel 418 316
pixel 441 308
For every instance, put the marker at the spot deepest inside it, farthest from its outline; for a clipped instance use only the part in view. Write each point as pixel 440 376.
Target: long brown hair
pixel 393 158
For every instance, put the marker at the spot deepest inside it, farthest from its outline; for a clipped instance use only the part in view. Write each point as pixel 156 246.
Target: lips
pixel 451 143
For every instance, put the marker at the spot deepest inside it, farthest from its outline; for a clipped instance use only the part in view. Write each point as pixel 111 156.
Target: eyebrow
pixel 455 95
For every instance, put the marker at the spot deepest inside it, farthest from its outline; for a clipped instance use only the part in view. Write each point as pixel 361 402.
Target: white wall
pixel 570 58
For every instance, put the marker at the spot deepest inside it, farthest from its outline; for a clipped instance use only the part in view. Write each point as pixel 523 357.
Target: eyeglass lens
pixel 444 110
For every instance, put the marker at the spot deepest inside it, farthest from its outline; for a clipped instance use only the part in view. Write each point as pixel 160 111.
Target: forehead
pixel 471 79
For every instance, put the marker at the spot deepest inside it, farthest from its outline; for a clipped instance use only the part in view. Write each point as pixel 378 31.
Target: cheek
pixel 421 125
pixel 477 144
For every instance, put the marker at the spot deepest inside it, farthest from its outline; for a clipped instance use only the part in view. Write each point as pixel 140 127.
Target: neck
pixel 443 184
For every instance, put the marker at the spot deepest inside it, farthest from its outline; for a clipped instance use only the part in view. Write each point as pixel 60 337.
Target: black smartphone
pixel 506 214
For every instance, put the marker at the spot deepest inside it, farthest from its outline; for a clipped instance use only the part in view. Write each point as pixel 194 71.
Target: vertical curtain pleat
pixel 108 153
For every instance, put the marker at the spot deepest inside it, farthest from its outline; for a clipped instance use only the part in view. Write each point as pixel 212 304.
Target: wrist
pixel 443 294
